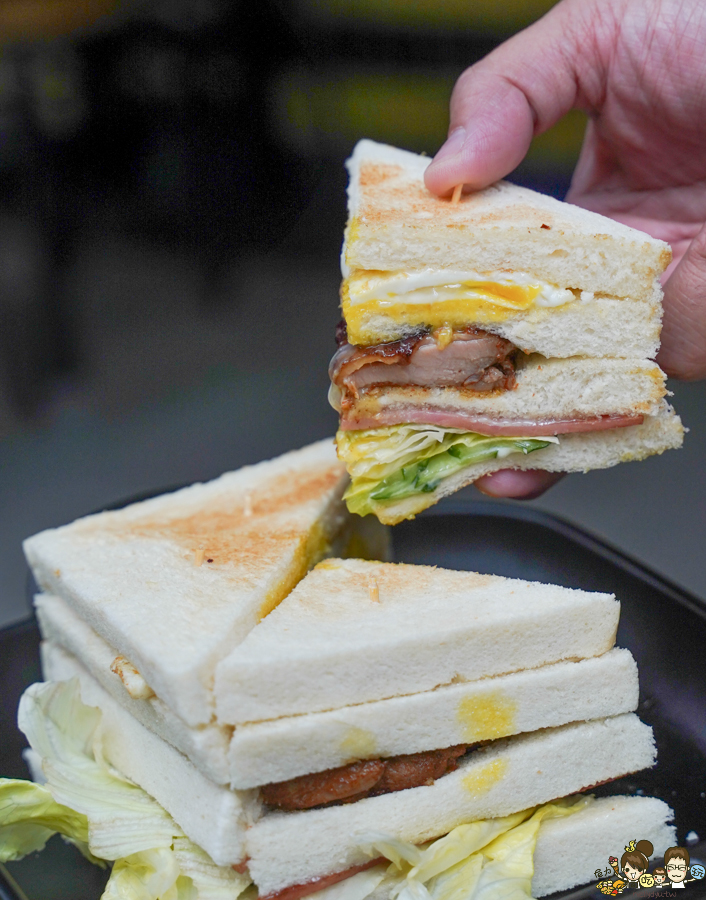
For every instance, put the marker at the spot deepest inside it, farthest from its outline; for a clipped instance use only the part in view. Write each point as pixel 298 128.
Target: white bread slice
pixel 573 453
pixel 205 745
pixel 395 223
pixel 335 642
pixel 503 777
pixel 140 577
pixel 569 850
pixel 455 714
pixel 598 327
pixel 546 388
pixel 602 327
pixel 214 817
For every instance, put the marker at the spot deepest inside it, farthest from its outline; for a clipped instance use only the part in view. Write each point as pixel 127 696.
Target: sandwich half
pixel 378 705
pixel 509 330
pixel 175 582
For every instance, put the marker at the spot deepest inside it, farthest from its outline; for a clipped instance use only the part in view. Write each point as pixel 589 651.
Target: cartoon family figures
pixel 632 871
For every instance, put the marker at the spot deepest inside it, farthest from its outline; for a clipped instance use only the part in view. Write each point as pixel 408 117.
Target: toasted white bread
pixel 277 750
pixel 482 710
pixel 174 583
pixel 569 850
pixel 574 453
pixel 395 223
pixel 213 816
pixel 503 777
pixel 546 389
pixel 354 631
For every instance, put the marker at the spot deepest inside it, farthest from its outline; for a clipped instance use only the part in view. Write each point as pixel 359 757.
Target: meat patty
pixel 417 769
pixel 472 358
pixel 357 780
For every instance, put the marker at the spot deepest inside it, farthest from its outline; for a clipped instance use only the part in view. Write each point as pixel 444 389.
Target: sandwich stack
pixel 507 330
pixel 379 726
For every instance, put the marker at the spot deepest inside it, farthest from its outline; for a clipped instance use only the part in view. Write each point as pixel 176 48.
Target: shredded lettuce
pixel 399 461
pixel 490 859
pixel 98 809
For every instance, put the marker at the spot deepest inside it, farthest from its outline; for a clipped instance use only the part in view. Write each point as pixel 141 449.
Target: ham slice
pixel 295 891
pixel 456 418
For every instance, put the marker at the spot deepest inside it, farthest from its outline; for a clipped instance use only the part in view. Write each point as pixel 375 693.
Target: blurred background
pixel 171 211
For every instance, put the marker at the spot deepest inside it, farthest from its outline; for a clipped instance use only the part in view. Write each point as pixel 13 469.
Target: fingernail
pixel 453 144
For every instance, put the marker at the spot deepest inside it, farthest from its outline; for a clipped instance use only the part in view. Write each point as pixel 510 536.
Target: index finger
pixel 519 90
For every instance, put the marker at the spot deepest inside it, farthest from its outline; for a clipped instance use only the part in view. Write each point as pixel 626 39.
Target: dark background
pixel 171 211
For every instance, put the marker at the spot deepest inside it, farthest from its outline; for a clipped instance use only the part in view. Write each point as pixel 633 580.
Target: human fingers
pixel 516 484
pixel 683 350
pixel 519 90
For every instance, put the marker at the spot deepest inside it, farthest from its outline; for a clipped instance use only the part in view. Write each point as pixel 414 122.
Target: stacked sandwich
pixel 388 727
pixel 507 330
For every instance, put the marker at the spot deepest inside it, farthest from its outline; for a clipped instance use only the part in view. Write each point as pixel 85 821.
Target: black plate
pixel 663 626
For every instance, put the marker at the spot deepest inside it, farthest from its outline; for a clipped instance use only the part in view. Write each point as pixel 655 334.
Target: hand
pixel 638 68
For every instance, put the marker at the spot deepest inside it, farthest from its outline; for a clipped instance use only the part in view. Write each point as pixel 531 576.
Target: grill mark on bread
pixel 397 194
pixel 247 530
pixel 375 174
pixel 367 778
pixel 335 578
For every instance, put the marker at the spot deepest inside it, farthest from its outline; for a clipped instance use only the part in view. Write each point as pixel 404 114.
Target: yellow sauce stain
pixel 483 778
pixel 358 743
pixel 487 716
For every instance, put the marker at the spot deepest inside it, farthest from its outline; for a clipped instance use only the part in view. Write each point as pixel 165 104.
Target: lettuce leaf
pixel 392 463
pixel 146 875
pixel 489 859
pixel 122 818
pixel 94 806
pixel 211 882
pixel 29 816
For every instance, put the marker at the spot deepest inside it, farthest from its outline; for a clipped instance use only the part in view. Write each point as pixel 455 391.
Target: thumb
pixel 683 350
pixel 519 90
